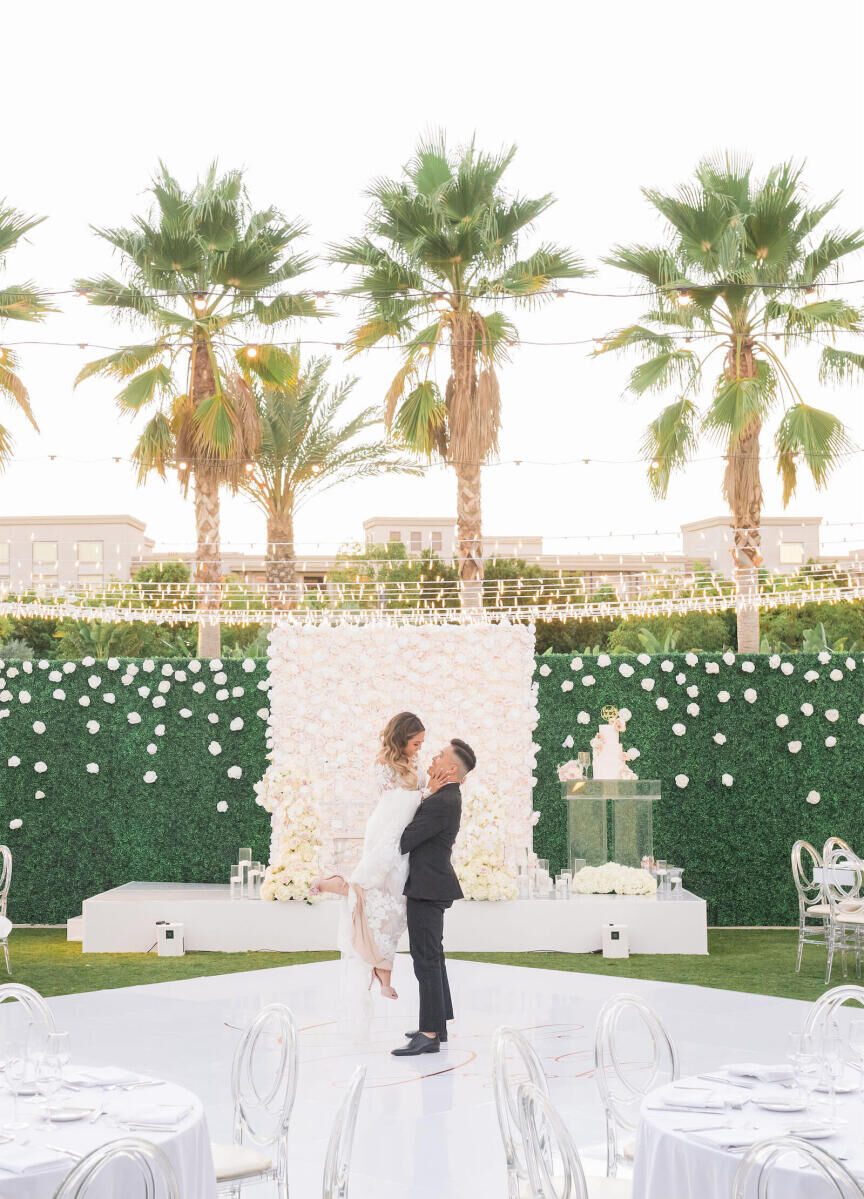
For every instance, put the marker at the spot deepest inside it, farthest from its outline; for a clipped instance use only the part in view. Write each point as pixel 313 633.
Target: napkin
pixel 162 1115
pixel 700 1100
pixel 101 1076
pixel 763 1073
pixel 731 1138
pixel 17 1159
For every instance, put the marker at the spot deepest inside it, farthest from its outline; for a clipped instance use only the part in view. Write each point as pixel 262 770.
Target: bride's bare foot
pixel 387 991
pixel 333 884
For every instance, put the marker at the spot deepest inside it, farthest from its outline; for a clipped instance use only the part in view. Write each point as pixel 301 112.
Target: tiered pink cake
pixel 609 759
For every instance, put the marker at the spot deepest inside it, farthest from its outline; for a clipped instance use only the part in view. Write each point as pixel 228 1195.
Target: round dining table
pixel 685 1150
pixel 96 1105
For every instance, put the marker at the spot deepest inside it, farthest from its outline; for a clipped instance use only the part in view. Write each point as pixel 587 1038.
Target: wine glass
pixel 19 1079
pixel 807 1065
pixel 49 1075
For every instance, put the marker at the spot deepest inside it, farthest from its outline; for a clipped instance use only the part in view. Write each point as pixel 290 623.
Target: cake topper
pixel 609 712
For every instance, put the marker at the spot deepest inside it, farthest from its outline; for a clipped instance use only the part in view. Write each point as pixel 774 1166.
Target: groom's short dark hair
pixel 464 753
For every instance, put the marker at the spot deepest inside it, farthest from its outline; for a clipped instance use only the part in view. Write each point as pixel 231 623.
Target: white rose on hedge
pixel 248 665
pixel 691 659
pixel 185 713
pixel 647 684
pixel 794 747
pixel 625 714
pixel 850 663
pixel 680 678
pixel 545 669
pixel 92 726
pixel 237 692
pixel 751 695
pixel 220 677
pixel 662 703
pixel 222 806
pixel 720 738
pixel 723 697
pixel 681 780
pixel 234 772
pixel 108 697
pixel 126 679
pixel 23 697
pixel 729 658
pixel 92 767
pixel 567 685
pixel 748 667
pixel 774 661
pixel 236 724
pixel 58 693
pixel 159 730
pixel 27 666
pixel 712 667
pixel 143 692
pixel 68 667
pixel 644 659
pixel 667 665
pixel 264 685
pixel 215 664
pixel 861 718
pixel 830 742
pixel 222 694
pixel 148 664
pixel 180 676
pixel 727 780
pixel 38 726
pixel 567 743
pixel 55 676
pixel 131 668
pixel 40 767
pixel 807 709
pixel 813 796
pixel 94 680
pixel 811 676
pixel 632 754
pixel 824 656
pixel 625 669
pixel 576 664
pixel 152 748
pixel 263 713
pixel 692 709
pixel 604 660
pixel 40 795
pixel 14 761
pixel 215 748
pixel 84 701
pixel 164 687
pixel 15 823
pixel 199 688
pixel 679 729
pixel 693 691
pixel 133 717
pixel 88 661
pixel 588 680
pixel 194 666
pixel 836 676
pixel 832 714
pixel 158 701
pixel 787 668
pixel 782 720
pixel 150 776
pixel 167 668
pixel 212 717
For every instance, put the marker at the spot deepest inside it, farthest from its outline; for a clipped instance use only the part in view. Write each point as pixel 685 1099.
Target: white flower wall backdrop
pixel 333 688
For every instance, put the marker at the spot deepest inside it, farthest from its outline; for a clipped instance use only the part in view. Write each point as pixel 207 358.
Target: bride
pixel 373 917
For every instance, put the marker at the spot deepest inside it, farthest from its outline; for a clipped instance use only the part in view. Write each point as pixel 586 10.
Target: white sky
pixel 315 100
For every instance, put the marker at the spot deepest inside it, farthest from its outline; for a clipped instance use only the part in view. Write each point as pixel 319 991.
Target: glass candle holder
pixel 235 886
pixel 245 855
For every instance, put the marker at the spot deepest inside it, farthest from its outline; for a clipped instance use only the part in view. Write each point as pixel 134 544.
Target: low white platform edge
pixel 123 921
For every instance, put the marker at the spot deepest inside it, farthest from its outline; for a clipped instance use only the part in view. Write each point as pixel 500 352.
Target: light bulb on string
pixel 181 466
pixel 251 351
pixel 684 297
pixel 200 302
pixel 810 293
pixel 249 467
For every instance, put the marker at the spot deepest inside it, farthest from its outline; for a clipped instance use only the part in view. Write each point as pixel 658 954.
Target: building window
pixel 395 536
pixel 792 553
pixel 44 559
pixel 416 541
pixel 436 541
pixel 90 558
pixel 313 582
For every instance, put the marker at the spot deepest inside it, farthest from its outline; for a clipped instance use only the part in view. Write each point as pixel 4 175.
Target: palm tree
pixel 441 246
pixel 18 302
pixel 307 446
pixel 742 273
pixel 204 271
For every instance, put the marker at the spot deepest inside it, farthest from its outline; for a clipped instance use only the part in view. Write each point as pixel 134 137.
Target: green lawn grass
pixel 761 961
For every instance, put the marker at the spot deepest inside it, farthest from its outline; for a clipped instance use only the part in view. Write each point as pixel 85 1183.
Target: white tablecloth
pixel 188 1148
pixel 671 1164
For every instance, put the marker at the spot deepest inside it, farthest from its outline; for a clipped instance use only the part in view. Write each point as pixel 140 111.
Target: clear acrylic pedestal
pixel 610 820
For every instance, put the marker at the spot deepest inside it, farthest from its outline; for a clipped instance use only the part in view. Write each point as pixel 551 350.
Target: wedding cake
pixel 609 759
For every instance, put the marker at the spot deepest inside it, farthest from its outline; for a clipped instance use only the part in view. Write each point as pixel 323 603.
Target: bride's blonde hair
pixel 395 735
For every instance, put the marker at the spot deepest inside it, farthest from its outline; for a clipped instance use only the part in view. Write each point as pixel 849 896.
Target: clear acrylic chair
pixel 513 1062
pixel 5 882
pixel 92 1175
pixel 823 1013
pixel 843 874
pixel 835 843
pixel 337 1163
pixel 263 1088
pixel 36 1009
pixel 633 1054
pixel 752 1178
pixel 552 1159
pixel 813 908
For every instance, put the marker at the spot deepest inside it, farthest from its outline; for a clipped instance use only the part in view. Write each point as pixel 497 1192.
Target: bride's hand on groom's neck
pixel 440 776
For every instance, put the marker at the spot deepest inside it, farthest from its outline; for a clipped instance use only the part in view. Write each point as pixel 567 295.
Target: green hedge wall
pixel 733 841
pixel 95 831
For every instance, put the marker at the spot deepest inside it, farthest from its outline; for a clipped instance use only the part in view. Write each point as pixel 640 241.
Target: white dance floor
pixel 427 1126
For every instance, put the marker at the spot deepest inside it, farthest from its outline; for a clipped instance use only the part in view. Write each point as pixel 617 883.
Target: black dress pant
pixel 425 936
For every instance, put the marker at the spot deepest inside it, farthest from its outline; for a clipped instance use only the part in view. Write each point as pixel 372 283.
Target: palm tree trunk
pixel 281 562
pixel 742 487
pixel 469 530
pixel 208 565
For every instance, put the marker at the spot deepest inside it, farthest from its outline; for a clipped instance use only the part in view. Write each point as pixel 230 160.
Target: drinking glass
pixel 18 1075
pixel 662 872
pixel 584 760
pixel 49 1072
pixel 807 1065
pixel 578 864
pixel 675 873
pixel 235 887
pixel 245 855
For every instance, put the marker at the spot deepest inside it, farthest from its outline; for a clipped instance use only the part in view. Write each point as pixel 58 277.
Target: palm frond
pixel 840 366
pixel 145 387
pixel 122 364
pixel 155 447
pixel 669 442
pixel 421 419
pixel 24 302
pixel 666 368
pixel 739 404
pixel 12 388
pixel 819 437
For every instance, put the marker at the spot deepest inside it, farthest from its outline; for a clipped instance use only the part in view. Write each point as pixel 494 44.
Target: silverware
pixel 748 1086
pixel 706 1128
pixel 62 1149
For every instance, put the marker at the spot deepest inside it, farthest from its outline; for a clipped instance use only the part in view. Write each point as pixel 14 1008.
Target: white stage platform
pixel 123 920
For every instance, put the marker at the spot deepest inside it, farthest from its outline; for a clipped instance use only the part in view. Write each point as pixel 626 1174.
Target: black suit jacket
pixel 429 839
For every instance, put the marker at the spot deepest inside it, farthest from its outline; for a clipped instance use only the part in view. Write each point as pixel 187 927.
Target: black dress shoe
pixel 442 1036
pixel 417 1045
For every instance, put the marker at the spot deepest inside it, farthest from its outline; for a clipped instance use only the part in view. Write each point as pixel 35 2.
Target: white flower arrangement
pixel 824 656
pixel 666 665
pixel 545 670
pixel 152 748
pixel 850 663
pixel 807 709
pixel 84 701
pixel 830 742
pixel 747 667
pixel 294 801
pixel 647 684
pixel 727 780
pixel 794 747
pixel 588 680
pixel 679 729
pixel 835 676
pixel 40 767
pixel 720 738
pixel 813 796
pixel 681 780
pixel 236 724
pixel 723 697
pixel 833 715
pixel 811 676
pixel 150 776
pixel 712 667
pixel 576 664
pixel 774 661
pixel 222 805
pixel 159 731
pixel 787 668
pixel 214 748
pixel 237 692
pixel 729 658
pixel 567 685
pixel 693 709
pixel 583 718
pixel 751 695
pixel 782 720
pixel 662 703
pixel 480 854
pixel 693 691
pixel 644 659
pixel 680 678
pixel 234 772
pixel 625 670
pixel 622 880
pixel 93 726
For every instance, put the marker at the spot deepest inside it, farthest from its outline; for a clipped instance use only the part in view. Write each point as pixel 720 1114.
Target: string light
pixel 251 351
pixel 809 292
pixel 249 467
pixel 200 302
pixel 683 298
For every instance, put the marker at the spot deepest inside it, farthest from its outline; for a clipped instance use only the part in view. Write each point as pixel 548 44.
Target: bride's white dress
pixel 373 919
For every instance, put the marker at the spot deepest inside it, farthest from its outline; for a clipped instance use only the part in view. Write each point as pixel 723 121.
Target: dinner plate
pixel 780 1105
pixel 813 1132
pixel 67 1115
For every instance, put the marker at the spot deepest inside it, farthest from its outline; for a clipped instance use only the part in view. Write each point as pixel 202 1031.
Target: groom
pixel 431 888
